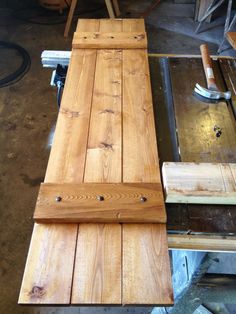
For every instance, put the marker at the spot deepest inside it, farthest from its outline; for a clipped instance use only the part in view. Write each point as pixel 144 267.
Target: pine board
pixel 91 146
pixel 201 183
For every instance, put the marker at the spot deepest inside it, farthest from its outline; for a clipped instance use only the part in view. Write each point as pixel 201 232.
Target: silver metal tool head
pixel 210 93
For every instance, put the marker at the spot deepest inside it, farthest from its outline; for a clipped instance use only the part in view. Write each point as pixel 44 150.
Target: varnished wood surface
pixel 98 261
pixel 101 40
pixel 200 183
pixel 100 202
pixel 97 273
pixel 143 260
pixel 144 254
pixel 48 278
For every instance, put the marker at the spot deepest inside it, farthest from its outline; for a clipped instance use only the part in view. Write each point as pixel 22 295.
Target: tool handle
pixel 207 64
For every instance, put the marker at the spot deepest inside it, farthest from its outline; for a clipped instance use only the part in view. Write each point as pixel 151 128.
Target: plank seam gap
pixel 73 271
pixel 90 114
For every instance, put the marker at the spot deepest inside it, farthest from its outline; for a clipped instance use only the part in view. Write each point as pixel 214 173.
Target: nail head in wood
pixel 58 198
pixel 143 199
pixel 100 198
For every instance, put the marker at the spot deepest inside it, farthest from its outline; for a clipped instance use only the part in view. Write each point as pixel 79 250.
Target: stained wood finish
pixel 97 274
pixel 202 183
pixel 195 119
pixel 145 258
pixel 98 40
pixel 47 278
pixel 91 146
pixel 102 165
pixel 69 147
pixel 96 202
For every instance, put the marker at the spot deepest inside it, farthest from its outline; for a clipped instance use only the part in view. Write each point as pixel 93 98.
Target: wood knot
pixel 69 113
pixel 106 145
pixel 107 111
pixel 37 292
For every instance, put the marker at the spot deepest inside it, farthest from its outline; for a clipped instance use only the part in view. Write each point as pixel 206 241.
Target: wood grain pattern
pixel 97 274
pixel 201 183
pixel 62 238
pixel 101 40
pixel 47 278
pixel 88 148
pixel 130 202
pixel 208 243
pixel 146 264
pixel 145 255
pixel 99 164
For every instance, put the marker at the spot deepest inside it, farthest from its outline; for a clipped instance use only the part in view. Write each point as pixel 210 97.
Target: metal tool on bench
pixel 212 91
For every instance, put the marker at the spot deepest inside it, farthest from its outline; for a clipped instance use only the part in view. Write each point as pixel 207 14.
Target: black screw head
pixel 100 198
pixel 58 198
pixel 143 199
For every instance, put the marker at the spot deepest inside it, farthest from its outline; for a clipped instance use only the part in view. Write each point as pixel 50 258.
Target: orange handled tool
pixel 212 91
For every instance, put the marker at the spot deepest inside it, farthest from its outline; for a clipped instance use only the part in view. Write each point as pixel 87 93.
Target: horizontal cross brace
pixel 97 40
pixel 100 202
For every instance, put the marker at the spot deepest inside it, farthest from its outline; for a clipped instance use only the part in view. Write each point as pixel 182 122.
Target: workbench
pixel 185 133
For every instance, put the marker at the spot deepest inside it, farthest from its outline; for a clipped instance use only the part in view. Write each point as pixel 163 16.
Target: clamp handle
pixel 207 64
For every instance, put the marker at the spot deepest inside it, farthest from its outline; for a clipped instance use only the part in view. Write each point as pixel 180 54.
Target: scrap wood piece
pixel 200 183
pixel 100 202
pixel 110 40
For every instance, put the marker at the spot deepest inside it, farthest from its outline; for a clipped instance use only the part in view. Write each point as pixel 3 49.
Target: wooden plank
pixel 146 264
pixel 145 256
pixel 208 243
pixel 68 149
pixel 42 284
pixel 108 169
pixel 100 202
pixel 104 143
pixel 140 160
pixel 97 272
pixel 201 183
pixel 231 36
pixel 101 40
pixel 195 119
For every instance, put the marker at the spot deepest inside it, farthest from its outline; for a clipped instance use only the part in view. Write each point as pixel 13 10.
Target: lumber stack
pixel 104 139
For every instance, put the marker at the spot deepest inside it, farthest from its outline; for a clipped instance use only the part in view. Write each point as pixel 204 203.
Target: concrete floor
pixel 28 112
